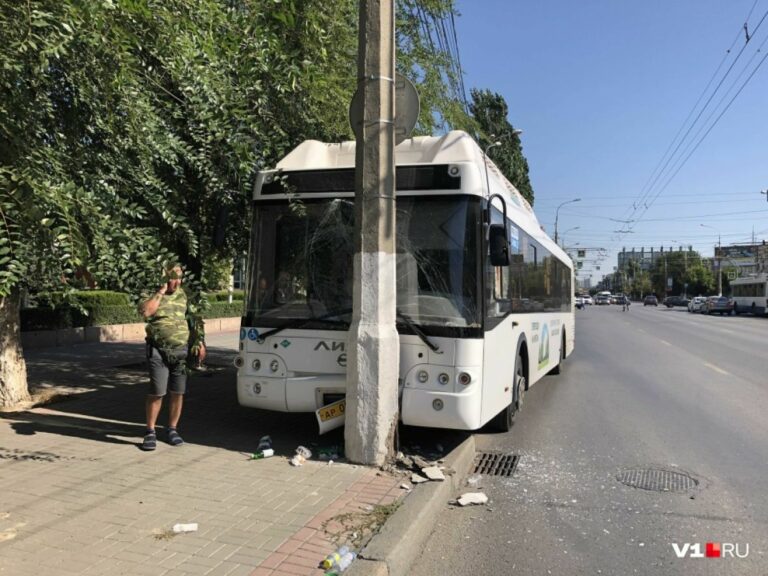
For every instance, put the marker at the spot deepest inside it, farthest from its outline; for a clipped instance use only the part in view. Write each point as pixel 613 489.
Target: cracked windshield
pixel 304 253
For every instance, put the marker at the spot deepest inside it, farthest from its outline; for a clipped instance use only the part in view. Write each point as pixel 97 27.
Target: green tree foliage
pixel 684 268
pixel 423 55
pixel 130 130
pixel 490 112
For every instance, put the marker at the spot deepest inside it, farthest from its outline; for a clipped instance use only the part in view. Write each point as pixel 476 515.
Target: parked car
pixel 670 301
pixel 650 300
pixel 695 304
pixel 718 305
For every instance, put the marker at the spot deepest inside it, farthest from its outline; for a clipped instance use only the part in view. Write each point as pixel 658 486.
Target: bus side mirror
pixel 497 239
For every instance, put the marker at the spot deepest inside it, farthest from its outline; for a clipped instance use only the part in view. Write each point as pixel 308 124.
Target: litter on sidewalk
pixel 472 498
pixel 181 528
pixel 302 455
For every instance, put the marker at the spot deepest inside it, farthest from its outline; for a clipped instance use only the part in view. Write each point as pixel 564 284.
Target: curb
pixel 400 542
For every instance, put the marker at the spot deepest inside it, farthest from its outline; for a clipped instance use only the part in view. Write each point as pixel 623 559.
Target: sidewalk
pixel 77 496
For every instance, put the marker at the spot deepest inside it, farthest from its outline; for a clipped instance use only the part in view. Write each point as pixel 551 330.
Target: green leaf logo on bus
pixel 544 345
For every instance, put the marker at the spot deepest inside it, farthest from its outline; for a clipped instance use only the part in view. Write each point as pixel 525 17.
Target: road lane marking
pixel 640 330
pixel 665 342
pixel 716 369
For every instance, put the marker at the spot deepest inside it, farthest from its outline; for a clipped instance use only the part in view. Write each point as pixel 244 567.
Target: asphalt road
pixel 652 388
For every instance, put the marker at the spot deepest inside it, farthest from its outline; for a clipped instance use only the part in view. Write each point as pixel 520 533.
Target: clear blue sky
pixel 600 89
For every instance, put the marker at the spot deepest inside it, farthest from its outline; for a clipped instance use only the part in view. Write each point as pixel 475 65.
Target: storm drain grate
pixel 657 479
pixel 495 463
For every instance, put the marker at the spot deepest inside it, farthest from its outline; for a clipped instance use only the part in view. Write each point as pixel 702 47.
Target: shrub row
pixel 223 296
pixel 98 310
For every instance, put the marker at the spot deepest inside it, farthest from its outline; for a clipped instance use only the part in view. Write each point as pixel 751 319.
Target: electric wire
pixel 646 192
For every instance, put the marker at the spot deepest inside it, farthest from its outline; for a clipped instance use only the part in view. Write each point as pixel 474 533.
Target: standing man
pixel 172 332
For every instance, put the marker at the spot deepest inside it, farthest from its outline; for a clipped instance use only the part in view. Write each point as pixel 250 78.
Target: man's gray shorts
pixel 163 377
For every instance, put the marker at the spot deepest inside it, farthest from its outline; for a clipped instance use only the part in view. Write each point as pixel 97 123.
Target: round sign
pixel 406 109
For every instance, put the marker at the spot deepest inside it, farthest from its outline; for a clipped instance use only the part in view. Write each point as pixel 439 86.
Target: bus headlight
pixel 444 379
pixel 256 364
pixel 437 404
pixel 274 365
pixel 465 378
pixel 239 361
pixel 422 376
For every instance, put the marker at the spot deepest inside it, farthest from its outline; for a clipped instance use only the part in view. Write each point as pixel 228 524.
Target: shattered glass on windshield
pixel 302 253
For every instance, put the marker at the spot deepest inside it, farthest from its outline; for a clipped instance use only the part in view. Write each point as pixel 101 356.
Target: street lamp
pixel 717 259
pixel 557 212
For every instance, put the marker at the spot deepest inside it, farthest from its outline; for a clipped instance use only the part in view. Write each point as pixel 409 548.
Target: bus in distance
pixel 750 294
pixel 484 302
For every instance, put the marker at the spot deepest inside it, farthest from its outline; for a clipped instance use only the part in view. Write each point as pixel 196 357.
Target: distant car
pixel 588 300
pixel 602 299
pixel 650 300
pixel 695 303
pixel 718 305
pixel 670 301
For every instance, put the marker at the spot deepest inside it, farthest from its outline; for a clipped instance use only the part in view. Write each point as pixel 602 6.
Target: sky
pixel 602 90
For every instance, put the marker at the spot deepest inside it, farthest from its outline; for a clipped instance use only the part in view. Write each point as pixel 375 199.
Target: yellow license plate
pixel 333 410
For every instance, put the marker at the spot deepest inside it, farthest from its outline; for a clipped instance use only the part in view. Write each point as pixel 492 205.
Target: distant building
pixel 646 257
pixel 741 259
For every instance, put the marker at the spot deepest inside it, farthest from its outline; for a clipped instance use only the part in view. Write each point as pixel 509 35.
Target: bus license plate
pixel 332 411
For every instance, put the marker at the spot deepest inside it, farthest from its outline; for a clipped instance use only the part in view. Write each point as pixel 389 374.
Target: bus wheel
pixel 503 420
pixel 559 368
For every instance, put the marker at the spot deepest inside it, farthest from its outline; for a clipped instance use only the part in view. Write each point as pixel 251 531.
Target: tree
pixel 490 112
pixel 131 131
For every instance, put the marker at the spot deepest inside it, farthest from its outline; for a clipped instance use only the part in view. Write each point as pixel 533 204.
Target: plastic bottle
pixel 265 442
pixel 179 528
pixel 332 560
pixel 266 453
pixel 345 561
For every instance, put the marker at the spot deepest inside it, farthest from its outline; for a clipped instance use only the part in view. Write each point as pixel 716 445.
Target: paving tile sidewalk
pixel 77 496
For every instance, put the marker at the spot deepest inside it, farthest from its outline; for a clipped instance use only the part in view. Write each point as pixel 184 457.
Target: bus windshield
pixel 302 253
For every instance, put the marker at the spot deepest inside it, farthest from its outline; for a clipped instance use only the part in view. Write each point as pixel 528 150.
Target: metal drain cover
pixel 495 463
pixel 657 479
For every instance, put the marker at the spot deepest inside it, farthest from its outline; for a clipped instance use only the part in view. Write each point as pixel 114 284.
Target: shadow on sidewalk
pixel 110 381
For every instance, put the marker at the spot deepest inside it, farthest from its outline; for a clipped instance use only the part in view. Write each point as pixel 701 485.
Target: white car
pixel 588 300
pixel 696 303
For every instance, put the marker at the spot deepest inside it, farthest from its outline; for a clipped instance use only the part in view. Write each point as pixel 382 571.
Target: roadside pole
pixel 373 355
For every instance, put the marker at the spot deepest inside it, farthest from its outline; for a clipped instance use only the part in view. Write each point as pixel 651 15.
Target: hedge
pixel 223 296
pixel 45 318
pixel 84 298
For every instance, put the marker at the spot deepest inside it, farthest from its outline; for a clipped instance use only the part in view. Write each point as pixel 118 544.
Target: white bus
pixel 750 294
pixel 484 309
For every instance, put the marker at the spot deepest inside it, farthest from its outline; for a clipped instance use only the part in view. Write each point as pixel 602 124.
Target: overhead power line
pixel 646 199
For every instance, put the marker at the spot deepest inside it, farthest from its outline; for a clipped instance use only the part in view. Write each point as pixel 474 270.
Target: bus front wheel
pixel 504 420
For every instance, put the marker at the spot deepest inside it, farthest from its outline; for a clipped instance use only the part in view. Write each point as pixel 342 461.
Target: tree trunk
pixel 13 369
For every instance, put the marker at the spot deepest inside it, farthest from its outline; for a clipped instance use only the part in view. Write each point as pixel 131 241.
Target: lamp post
pixel 557 212
pixel 567 231
pixel 718 260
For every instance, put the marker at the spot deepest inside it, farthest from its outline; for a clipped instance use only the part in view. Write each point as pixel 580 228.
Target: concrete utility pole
pixel 374 346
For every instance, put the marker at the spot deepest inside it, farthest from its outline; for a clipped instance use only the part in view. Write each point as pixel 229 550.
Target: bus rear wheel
pixel 559 368
pixel 504 420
